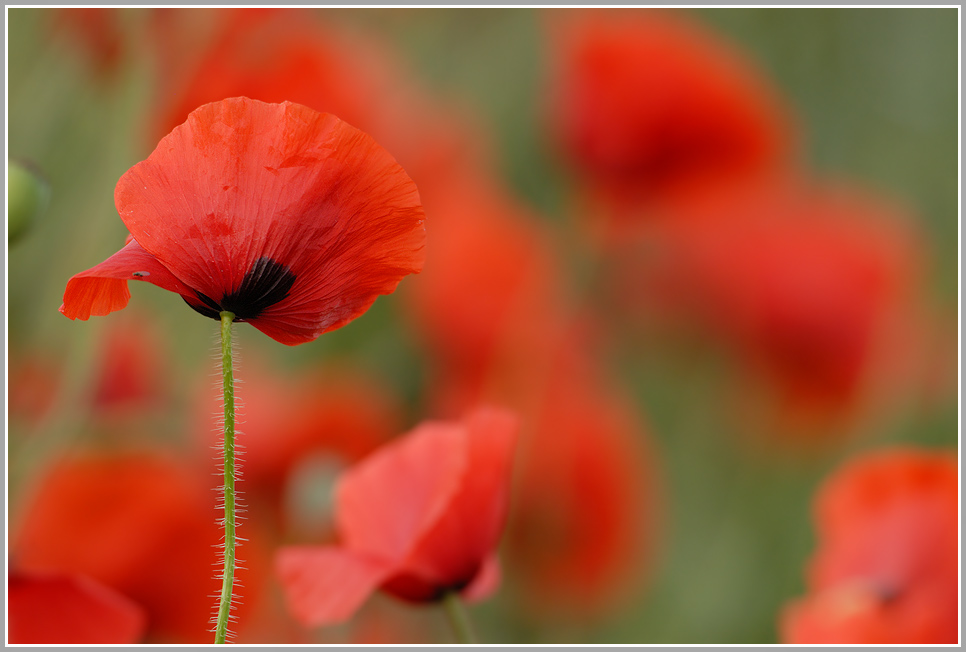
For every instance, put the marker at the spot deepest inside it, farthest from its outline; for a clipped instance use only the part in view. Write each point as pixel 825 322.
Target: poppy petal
pixel 385 503
pixel 452 550
pixel 326 585
pixel 69 609
pixel 486 581
pixel 103 288
pixel 292 219
pixel 887 563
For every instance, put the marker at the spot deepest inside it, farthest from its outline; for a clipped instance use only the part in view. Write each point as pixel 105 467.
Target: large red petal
pixel 386 503
pixel 326 585
pixel 103 288
pixel 69 609
pixel 241 181
pixel 451 552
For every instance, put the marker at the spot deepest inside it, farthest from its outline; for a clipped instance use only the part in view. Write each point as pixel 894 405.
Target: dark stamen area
pixel 265 284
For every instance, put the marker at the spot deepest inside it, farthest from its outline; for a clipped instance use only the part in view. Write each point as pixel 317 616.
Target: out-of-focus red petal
pixel 486 581
pixel 451 552
pixel 387 502
pixel 243 181
pixel 488 241
pixel 69 609
pixel 851 614
pixel 587 516
pixel 653 107
pixel 140 522
pixel 816 287
pixel 887 568
pixel 103 288
pixel 325 585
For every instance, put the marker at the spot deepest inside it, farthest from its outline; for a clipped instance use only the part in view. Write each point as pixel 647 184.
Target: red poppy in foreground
pixel 69 609
pixel 292 220
pixel 887 568
pixel 418 519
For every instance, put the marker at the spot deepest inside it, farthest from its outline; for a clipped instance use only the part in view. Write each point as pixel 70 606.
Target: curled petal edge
pixel 102 289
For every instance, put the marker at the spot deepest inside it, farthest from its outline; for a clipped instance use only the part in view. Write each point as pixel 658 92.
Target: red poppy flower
pixel 651 106
pixel 816 290
pixel 585 524
pixel 69 609
pixel 886 570
pixel 487 241
pixel 140 523
pixel 418 518
pixel 292 220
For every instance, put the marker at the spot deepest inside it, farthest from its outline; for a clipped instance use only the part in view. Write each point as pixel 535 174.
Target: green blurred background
pixel 876 91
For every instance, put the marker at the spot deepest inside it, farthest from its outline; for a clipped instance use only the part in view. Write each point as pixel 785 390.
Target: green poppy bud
pixel 28 195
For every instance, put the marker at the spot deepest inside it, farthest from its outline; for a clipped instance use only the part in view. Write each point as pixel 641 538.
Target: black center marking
pixel 265 284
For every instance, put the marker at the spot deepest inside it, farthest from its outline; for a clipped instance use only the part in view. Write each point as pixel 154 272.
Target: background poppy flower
pixel 50 608
pixel 814 289
pixel 886 569
pixel 141 523
pixel 419 518
pixel 292 220
pixel 650 106
pixel 131 376
pixel 488 241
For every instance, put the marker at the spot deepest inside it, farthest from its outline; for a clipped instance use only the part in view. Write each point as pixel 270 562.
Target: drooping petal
pixel 69 609
pixel 451 553
pixel 326 585
pixel 103 288
pixel 387 502
pixel 291 219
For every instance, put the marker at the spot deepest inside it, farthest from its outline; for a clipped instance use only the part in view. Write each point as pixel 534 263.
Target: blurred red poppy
pixel 132 368
pixel 140 523
pixel 50 608
pixel 584 528
pixel 816 290
pixel 650 107
pixel 419 518
pixel 290 219
pixel 130 375
pixel 886 570
pixel 485 240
